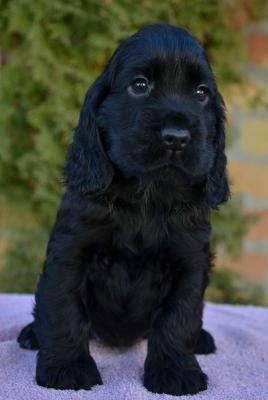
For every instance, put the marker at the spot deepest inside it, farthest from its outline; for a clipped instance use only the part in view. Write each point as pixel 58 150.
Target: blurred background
pixel 52 50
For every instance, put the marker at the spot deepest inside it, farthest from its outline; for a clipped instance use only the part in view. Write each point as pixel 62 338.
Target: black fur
pixel 129 257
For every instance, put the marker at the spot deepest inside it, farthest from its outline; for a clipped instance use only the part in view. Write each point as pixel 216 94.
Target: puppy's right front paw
pixel 79 374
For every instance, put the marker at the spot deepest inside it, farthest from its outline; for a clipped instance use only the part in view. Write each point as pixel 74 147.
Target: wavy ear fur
pixel 88 169
pixel 217 183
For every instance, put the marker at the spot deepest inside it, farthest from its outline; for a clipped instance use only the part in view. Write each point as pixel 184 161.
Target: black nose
pixel 175 139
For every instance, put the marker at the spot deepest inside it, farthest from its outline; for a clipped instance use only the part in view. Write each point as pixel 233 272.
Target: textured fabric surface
pixel 238 371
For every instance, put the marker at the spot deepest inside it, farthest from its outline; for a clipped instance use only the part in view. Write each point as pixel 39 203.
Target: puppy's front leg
pixel 171 366
pixel 61 322
pixel 63 361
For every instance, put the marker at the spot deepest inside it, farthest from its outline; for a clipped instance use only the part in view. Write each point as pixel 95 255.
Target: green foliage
pixel 228 287
pixel 51 51
pixel 229 227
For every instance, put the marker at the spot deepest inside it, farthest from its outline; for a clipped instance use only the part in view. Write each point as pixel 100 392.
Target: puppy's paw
pixel 80 374
pixel 169 378
pixel 205 343
pixel 27 338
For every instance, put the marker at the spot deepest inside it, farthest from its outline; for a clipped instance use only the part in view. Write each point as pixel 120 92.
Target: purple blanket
pixel 238 371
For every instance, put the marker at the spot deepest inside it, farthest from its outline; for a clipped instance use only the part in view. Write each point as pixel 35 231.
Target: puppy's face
pixel 160 112
pixel 154 112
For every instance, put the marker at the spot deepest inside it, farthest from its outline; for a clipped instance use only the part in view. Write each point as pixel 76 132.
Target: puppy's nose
pixel 175 139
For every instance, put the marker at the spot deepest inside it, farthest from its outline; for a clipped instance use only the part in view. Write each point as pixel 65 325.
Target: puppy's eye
pixel 139 87
pixel 202 93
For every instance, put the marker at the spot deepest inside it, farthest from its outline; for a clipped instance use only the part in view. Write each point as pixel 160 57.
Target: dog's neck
pixel 163 194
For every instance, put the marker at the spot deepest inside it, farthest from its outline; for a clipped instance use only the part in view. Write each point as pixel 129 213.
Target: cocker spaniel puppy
pixel 128 257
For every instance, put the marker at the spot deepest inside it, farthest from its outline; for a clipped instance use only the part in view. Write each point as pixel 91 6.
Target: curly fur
pixel 128 257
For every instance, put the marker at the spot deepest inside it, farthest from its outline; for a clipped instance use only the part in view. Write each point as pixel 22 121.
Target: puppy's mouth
pixel 172 160
pixel 165 167
pixel 173 157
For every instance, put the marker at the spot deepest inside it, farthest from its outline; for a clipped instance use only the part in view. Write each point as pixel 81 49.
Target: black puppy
pixel 128 257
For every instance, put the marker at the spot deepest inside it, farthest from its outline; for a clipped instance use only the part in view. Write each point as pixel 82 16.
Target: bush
pixel 228 287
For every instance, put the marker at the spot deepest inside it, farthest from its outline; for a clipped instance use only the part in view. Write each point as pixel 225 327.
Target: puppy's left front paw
pixel 169 378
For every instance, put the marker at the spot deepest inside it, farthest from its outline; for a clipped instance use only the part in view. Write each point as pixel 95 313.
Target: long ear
pixel 217 183
pixel 87 168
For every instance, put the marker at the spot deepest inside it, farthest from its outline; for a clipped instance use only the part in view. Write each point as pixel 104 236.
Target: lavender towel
pixel 238 371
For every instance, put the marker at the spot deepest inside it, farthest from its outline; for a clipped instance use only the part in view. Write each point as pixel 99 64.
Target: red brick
pixel 249 178
pixel 258 47
pixel 259 229
pixel 251 265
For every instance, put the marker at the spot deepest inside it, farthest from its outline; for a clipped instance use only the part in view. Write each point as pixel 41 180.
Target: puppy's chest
pixel 125 278
pixel 133 273
pixel 125 291
pixel 134 265
pixel 132 276
pixel 144 234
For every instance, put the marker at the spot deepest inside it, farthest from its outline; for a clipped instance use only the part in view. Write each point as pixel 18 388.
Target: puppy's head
pixel 155 111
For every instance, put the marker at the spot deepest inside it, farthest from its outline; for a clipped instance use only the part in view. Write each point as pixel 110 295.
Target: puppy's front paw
pixel 168 377
pixel 80 374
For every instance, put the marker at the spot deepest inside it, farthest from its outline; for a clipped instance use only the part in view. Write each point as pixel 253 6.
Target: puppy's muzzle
pixel 175 139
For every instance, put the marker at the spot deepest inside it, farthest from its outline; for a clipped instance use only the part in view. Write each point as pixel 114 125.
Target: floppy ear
pixel 217 182
pixel 87 168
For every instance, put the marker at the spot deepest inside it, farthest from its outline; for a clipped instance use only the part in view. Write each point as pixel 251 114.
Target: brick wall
pixel 248 155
